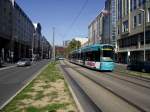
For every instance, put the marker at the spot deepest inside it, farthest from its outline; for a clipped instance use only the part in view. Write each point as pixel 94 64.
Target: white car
pixel 24 62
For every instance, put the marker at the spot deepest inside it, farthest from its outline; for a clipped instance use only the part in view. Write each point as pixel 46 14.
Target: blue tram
pixel 98 56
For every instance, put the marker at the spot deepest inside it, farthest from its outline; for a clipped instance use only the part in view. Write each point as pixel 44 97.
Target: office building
pixel 17 33
pixel 131 16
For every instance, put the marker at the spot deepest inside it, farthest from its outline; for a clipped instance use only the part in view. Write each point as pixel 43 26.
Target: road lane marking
pixel 7 67
pixel 24 86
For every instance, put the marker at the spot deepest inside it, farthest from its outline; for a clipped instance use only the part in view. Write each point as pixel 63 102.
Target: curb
pixel 72 93
pixel 28 82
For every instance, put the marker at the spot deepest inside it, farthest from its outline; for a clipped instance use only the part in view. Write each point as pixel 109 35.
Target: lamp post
pixel 54 43
pixel 144 23
pixel 34 34
pixel 42 48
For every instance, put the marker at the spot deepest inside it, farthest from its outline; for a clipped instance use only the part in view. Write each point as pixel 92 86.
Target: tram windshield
pixel 106 59
pixel 107 55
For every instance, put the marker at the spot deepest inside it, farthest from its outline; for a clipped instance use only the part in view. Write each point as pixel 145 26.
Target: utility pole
pixel 42 48
pixel 144 27
pixel 54 43
pixel 11 47
pixel 34 34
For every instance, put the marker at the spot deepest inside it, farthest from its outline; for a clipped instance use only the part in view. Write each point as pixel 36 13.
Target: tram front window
pixel 107 55
pixel 106 59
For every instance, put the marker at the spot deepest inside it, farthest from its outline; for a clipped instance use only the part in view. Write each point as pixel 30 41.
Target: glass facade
pixel 139 19
pixel 125 26
pixel 148 15
pixel 136 3
pixel 134 21
pixel 114 18
pixel 119 9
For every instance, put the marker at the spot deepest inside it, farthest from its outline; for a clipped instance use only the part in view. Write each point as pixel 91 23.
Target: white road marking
pixel 27 83
pixel 7 67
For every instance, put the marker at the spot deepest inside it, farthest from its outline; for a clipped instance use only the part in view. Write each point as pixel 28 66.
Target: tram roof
pixel 94 47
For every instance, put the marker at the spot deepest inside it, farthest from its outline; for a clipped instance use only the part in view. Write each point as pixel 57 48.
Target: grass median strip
pixel 47 93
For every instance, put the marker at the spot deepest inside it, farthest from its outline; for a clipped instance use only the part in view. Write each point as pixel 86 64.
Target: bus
pixel 97 56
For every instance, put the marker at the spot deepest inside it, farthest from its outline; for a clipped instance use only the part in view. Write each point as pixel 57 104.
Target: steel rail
pixel 102 85
pixel 97 109
pixel 134 76
pixel 119 77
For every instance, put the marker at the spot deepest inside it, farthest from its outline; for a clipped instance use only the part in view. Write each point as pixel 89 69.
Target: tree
pixel 73 45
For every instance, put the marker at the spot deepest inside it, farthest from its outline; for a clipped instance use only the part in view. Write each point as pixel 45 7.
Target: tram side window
pixel 90 56
pixel 84 56
pixel 81 55
pixel 77 55
pixel 97 56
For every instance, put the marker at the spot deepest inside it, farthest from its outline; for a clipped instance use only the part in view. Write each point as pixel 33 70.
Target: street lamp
pixel 144 20
pixel 34 34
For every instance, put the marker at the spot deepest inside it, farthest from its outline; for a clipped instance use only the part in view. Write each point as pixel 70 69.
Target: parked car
pixel 139 66
pixel 24 62
pixel 59 58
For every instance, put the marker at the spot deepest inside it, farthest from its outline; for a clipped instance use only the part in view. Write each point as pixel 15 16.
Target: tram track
pixel 133 75
pixel 92 105
pixel 129 78
pixel 126 78
pixel 110 89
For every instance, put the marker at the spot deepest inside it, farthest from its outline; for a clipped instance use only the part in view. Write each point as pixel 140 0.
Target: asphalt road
pixel 13 79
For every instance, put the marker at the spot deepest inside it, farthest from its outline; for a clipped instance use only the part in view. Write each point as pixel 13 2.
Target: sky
pixel 69 17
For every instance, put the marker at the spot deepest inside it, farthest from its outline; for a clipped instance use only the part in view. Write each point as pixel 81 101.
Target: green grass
pixel 39 95
pixel 49 108
pixel 52 95
pixel 54 107
pixel 32 109
pixel 50 74
pixel 46 86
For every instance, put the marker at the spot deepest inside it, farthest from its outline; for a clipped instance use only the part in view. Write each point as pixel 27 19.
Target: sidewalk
pixel 120 64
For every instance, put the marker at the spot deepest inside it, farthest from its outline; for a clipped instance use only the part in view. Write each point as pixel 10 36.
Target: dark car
pixel 24 62
pixel 139 66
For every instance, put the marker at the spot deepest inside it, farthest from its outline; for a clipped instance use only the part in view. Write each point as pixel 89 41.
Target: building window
pixel 134 21
pixel 125 26
pixel 143 1
pixel 139 2
pixel 127 7
pixel 148 14
pixel 4 9
pixel 119 9
pixel 118 30
pixel 139 19
pixel 134 4
pixel 131 2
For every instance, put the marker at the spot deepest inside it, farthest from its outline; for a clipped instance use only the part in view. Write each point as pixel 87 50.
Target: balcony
pixel 134 48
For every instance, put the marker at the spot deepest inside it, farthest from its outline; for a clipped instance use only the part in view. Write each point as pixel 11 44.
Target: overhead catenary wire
pixel 76 18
